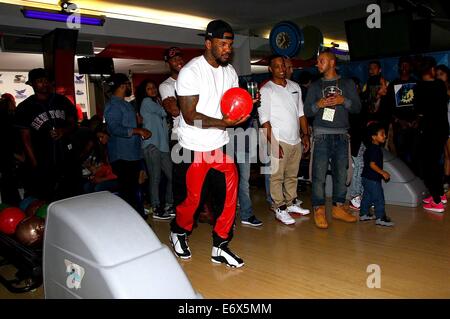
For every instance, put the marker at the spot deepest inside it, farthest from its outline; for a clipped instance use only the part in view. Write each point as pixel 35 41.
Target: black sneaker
pixel 252 221
pixel 223 255
pixel 384 221
pixel 366 217
pixel 170 210
pixel 179 245
pixel 160 214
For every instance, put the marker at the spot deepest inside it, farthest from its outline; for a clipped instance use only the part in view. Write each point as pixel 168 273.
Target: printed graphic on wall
pixel 20 78
pixel 14 84
pixel 20 94
pixel 81 95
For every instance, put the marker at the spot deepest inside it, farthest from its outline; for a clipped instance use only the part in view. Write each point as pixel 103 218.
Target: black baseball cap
pixel 35 74
pixel 172 52
pixel 116 80
pixel 217 29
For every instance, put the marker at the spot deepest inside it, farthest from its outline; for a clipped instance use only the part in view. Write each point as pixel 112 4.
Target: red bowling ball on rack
pixel 9 219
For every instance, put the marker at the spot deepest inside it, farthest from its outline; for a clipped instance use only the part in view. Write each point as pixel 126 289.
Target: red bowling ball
pixel 9 219
pixel 236 103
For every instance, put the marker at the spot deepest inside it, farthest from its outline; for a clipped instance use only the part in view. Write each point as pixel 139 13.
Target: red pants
pixel 195 177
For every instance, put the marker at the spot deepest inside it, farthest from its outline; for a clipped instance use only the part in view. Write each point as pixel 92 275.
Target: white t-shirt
pixel 167 89
pixel 198 77
pixel 282 107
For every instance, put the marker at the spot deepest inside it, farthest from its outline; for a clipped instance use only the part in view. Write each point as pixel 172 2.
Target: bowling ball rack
pixel 27 261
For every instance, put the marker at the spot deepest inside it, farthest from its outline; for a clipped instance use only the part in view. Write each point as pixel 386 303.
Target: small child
pixel 371 178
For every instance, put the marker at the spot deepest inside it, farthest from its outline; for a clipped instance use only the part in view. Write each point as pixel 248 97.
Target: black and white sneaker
pixel 252 221
pixel 223 255
pixel 384 221
pixel 160 214
pixel 169 209
pixel 179 245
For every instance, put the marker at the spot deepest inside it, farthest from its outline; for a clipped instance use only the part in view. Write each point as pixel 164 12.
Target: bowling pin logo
pixel 75 274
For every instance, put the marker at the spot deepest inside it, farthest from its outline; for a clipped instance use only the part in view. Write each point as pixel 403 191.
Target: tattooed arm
pixel 188 106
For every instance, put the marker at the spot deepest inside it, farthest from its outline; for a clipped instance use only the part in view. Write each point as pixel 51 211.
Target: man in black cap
pixel 124 145
pixel 201 135
pixel 46 122
pixel 173 57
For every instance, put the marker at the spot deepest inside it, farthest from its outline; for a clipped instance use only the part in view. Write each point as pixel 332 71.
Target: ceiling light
pixel 59 16
pixel 124 12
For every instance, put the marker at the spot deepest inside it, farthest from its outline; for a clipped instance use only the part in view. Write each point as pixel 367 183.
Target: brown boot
pixel 338 212
pixel 320 217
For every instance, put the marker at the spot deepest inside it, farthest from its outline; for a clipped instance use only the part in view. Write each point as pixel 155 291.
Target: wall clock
pixel 286 39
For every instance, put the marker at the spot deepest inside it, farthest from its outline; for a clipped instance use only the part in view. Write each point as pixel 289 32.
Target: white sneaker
pixel 284 217
pixel 296 209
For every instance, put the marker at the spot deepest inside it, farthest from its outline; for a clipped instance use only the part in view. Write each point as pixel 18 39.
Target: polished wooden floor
pixel 302 261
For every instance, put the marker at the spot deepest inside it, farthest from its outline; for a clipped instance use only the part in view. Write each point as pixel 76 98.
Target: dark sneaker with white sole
pixel 223 255
pixel 160 214
pixel 366 217
pixel 179 245
pixel 252 221
pixel 169 209
pixel 384 221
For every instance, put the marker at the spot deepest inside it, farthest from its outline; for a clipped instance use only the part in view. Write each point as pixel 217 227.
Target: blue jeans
pixel 245 203
pixel 329 149
pixel 158 162
pixel 373 194
pixel 356 188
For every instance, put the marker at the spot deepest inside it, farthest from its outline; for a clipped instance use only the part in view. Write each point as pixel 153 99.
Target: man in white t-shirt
pixel 174 58
pixel 281 115
pixel 202 135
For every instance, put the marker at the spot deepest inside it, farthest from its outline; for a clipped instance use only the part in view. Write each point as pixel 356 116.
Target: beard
pixel 220 60
pixel 128 93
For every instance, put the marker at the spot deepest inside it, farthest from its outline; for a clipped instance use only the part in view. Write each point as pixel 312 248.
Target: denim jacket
pixel 155 121
pixel 120 118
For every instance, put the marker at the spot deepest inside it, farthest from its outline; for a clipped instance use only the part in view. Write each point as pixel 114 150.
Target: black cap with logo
pixel 217 29
pixel 172 52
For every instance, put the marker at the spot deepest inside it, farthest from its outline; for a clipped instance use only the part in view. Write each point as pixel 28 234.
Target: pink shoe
pixel 432 206
pixel 430 199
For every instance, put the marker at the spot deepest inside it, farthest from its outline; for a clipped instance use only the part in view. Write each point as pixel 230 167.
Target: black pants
pixel 55 182
pixel 8 182
pixel 127 173
pixel 406 144
pixel 431 168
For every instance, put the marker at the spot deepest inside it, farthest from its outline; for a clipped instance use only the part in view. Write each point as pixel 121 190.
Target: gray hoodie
pixel 340 123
